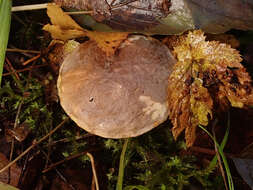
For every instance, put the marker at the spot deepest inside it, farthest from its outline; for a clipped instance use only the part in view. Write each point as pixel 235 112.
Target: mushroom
pixel 119 96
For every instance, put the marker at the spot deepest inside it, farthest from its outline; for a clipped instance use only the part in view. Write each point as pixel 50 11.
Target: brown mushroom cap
pixel 120 96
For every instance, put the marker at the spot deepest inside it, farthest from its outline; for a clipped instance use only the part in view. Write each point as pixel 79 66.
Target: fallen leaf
pixel 108 41
pixel 59 17
pixel 20 133
pixel 14 174
pixel 64 28
pixel 207 75
pixel 63 34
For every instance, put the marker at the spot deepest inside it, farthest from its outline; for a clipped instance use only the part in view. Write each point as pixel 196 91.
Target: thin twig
pixel 208 151
pixel 44 6
pixel 93 185
pixel 14 16
pixel 31 60
pixel 93 170
pixel 49 148
pixel 58 172
pixel 23 53
pixel 12 68
pixel 66 140
pixel 79 12
pixel 25 69
pixel 14 127
pixel 29 7
pixel 33 145
pixel 64 160
pixel 22 50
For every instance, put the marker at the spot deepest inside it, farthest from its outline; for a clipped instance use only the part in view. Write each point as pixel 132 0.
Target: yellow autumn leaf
pixel 207 73
pixel 64 28
pixel 63 34
pixel 108 41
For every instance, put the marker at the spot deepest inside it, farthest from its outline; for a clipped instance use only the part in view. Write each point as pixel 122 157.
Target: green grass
pixel 220 148
pixel 5 16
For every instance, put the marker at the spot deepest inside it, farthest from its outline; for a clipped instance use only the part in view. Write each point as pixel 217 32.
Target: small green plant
pixel 152 161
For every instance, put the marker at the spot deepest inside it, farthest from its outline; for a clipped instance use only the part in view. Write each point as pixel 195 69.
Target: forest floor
pixel 30 110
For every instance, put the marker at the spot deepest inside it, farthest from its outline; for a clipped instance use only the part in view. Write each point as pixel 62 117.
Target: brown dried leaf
pixel 63 34
pixel 108 41
pixel 206 74
pixel 64 28
pixel 59 17
pixel 14 174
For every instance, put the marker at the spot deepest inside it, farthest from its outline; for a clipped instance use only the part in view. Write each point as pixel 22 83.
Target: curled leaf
pixel 64 28
pixel 207 75
pixel 108 41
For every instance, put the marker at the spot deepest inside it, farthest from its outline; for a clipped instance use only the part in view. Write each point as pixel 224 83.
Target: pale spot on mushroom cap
pixel 156 109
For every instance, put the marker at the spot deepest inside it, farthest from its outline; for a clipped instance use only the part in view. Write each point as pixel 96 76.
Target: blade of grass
pixel 122 166
pixel 220 150
pixel 5 15
pixel 221 167
pixel 213 163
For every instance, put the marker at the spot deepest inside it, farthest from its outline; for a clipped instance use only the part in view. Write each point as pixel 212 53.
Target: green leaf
pixel 5 15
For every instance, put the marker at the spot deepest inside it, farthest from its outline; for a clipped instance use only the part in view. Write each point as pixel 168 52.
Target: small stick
pixel 33 145
pixel 79 12
pixel 14 127
pixel 219 157
pixel 58 172
pixel 12 139
pixel 44 6
pixel 62 161
pixel 22 50
pixel 29 7
pixel 31 60
pixel 66 140
pixel 25 69
pixel 93 169
pixel 12 68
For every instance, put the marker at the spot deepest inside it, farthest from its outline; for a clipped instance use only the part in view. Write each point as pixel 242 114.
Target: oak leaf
pixel 207 75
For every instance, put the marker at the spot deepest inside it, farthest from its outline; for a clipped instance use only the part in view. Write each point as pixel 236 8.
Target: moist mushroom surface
pixel 119 96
